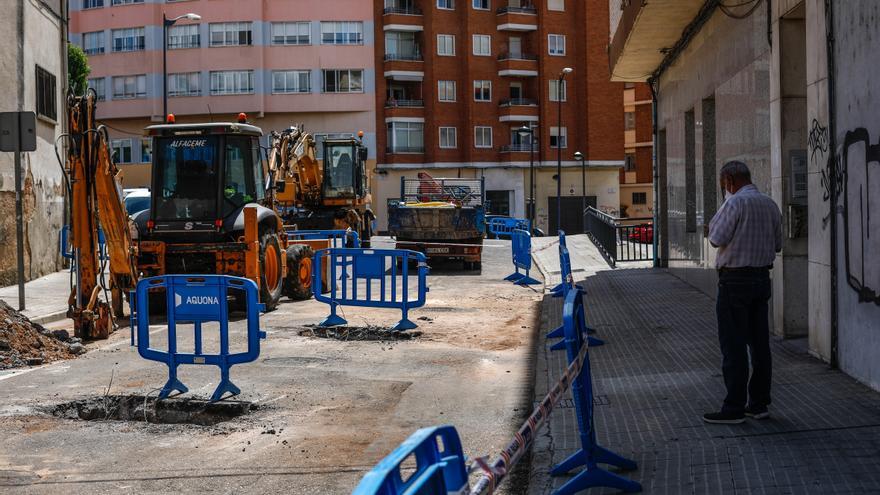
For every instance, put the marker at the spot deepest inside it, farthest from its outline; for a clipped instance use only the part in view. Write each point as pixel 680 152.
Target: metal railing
pixel 517 102
pixel 406 57
pixel 517 10
pixel 403 10
pixel 404 103
pixel 618 242
pixel 517 56
pixel 507 148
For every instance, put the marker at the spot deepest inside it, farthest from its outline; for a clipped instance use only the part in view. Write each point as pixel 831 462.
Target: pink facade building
pixel 281 62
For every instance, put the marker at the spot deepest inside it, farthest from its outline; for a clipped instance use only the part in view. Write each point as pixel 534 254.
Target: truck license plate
pixel 437 250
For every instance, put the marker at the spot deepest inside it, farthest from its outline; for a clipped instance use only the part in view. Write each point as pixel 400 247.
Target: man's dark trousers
pixel 743 329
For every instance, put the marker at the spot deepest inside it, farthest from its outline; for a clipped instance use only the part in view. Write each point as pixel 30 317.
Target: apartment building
pixel 636 177
pixel 474 88
pixel 312 64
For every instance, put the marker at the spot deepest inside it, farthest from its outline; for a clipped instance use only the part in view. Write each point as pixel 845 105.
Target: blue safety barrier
pixel 197 299
pixel 67 251
pixel 521 250
pixel 504 226
pixel 440 466
pixel 375 278
pixel 566 286
pixel 337 238
pixel 591 453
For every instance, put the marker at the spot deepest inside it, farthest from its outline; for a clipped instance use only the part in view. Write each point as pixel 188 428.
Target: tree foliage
pixel 77 69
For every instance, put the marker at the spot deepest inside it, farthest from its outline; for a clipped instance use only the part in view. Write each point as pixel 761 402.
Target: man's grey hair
pixel 737 171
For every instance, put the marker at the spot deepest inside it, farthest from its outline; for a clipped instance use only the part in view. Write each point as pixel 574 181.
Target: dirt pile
pixel 23 343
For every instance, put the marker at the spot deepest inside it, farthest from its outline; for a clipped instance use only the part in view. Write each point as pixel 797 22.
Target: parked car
pixel 137 200
pixel 642 233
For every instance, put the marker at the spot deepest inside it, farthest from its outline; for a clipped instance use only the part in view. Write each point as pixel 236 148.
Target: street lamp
pixel 166 22
pixel 580 157
pixel 526 130
pixel 567 70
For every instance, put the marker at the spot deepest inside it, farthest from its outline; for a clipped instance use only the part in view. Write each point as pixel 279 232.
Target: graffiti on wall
pixel 859 173
pixel 818 140
pixel 832 177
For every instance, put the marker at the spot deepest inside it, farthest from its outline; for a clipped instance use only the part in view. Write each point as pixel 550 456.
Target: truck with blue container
pixel 443 218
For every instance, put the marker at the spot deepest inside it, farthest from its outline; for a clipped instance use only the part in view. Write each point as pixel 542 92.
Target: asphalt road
pixel 330 409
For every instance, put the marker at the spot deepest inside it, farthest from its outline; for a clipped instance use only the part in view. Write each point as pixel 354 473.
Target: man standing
pixel 747 230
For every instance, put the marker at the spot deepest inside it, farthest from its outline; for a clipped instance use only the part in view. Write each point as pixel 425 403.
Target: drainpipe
pixel 832 141
pixel 655 165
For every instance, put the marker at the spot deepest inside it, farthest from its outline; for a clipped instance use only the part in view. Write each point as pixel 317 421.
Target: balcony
pixel 518 102
pixel 402 11
pixel 401 108
pixel 522 19
pixel 517 148
pixel 402 19
pixel 517 65
pixel 404 103
pixel 403 57
pixel 518 110
pixel 645 33
pixel 401 150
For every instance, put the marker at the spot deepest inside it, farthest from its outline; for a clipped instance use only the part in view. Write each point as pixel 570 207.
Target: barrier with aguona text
pixel 521 251
pixel 504 226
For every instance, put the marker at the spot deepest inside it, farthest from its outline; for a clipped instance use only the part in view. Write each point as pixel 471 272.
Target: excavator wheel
pixel 298 285
pixel 271 278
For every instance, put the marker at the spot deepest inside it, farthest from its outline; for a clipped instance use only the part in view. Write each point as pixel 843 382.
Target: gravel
pixel 23 343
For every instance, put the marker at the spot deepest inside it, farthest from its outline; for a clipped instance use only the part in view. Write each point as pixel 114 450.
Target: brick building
pixel 457 78
pixel 636 181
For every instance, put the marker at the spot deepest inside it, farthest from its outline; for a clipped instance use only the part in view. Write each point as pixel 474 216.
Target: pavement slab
pixel 660 371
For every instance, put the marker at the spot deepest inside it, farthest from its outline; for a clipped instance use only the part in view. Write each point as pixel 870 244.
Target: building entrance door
pixel 572 216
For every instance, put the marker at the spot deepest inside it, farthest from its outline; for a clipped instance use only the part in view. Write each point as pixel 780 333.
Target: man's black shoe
pixel 724 418
pixel 757 412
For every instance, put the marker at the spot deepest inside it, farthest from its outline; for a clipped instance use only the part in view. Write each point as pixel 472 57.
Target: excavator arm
pixel 292 159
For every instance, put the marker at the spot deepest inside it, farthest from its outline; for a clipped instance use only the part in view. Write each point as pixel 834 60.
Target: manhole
pixel 358 333
pixel 152 410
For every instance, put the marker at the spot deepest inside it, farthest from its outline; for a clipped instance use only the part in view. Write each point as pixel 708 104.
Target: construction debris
pixel 23 343
pixel 358 333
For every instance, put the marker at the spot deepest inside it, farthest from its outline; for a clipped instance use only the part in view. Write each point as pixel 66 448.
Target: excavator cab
pixel 345 175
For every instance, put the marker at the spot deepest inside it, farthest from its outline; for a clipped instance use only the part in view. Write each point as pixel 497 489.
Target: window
pixel 482 90
pixel 128 40
pixel 401 45
pixel 128 87
pixel 481 4
pixel 640 198
pixel 558 139
pixel 125 2
pixel 343 81
pixel 184 84
pixel 98 84
pixel 446 4
pixel 93 43
pixel 146 150
pixel 629 162
pixel 448 137
pixel 291 81
pixel 446 90
pixel 46 102
pixel 232 82
pixel 92 4
pixel 558 5
pixel 629 121
pixel 446 44
pixel 121 150
pixel 482 137
pixel 231 34
pixel 406 137
pixel 321 137
pixel 291 33
pixel 556 44
pixel 342 33
pixel 555 90
pixel 185 36
pixel 482 44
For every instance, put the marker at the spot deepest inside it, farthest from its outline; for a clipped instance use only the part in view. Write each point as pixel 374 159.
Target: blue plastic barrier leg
pixel 405 323
pixel 513 277
pixel 173 384
pixel 225 385
pixel 333 319
pixel 526 280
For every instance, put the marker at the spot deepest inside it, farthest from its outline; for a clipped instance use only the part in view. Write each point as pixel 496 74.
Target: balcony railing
pixel 507 148
pixel 517 56
pixel 517 10
pixel 403 10
pixel 518 102
pixel 404 103
pixel 411 57
pixel 405 149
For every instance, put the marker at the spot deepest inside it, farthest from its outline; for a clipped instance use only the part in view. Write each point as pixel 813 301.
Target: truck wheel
pixel 298 285
pixel 271 280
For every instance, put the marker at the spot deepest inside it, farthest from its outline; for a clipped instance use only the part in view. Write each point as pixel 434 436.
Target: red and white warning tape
pixel 493 474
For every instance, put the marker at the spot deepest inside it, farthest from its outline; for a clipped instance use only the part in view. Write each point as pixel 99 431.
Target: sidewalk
pixel 45 297
pixel 660 371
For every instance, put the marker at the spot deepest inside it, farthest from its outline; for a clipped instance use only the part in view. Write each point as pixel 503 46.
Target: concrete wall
pixel 42 44
pixel 726 65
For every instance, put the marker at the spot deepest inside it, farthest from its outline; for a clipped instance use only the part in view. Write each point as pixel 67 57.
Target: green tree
pixel 77 69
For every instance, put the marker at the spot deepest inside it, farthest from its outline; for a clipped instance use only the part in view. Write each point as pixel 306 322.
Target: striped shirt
pixel 747 230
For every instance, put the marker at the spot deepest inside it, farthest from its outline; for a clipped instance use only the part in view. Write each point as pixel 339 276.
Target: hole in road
pixel 358 333
pixel 152 410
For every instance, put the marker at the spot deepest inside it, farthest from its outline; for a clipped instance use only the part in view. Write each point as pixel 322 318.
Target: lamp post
pixel 166 23
pixel 561 80
pixel 526 130
pixel 580 157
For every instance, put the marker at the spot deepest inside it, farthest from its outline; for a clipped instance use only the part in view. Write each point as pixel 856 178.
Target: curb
pixel 49 318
